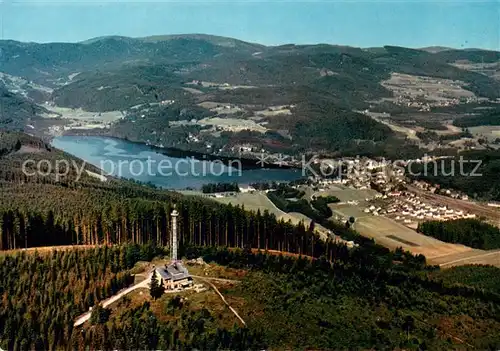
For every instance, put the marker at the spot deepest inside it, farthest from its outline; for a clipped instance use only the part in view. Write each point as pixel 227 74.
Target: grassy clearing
pixel 254 202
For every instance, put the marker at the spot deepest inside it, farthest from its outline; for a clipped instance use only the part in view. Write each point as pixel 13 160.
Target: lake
pixel 140 162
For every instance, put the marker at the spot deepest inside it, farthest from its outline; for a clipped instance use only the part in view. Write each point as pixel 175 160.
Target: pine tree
pixel 99 315
pixel 156 288
pixel 161 288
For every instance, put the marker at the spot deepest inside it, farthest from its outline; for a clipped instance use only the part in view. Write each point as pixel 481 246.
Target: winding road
pixel 86 316
pixel 145 284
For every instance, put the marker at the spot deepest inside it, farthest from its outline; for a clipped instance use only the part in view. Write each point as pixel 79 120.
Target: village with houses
pixel 376 197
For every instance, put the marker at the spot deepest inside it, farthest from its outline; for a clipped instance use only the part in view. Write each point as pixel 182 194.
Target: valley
pixel 203 192
pixel 224 100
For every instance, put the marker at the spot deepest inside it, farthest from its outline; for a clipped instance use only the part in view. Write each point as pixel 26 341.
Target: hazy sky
pixel 358 23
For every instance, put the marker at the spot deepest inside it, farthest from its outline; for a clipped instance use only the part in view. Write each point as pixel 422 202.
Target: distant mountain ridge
pixel 326 84
pixel 46 63
pixel 215 39
pixel 49 62
pixel 349 76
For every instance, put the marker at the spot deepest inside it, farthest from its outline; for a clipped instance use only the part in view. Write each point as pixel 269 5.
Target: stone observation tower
pixel 173 243
pixel 174 275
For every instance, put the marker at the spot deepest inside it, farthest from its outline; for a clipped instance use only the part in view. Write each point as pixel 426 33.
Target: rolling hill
pixel 119 89
pixel 366 297
pixel 384 299
pixel 350 77
pixel 16 110
pixel 229 59
pixel 51 63
pixel 325 85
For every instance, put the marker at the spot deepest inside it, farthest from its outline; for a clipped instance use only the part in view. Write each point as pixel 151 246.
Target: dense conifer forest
pixel 488 118
pixel 469 232
pixel 46 210
pixel 479 276
pixel 220 187
pixel 338 298
pixel 362 298
pixel 43 293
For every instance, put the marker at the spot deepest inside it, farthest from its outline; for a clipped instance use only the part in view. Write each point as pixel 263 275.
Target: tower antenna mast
pixel 173 246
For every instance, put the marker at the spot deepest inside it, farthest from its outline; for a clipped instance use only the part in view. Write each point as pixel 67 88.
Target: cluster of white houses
pixel 412 208
pixel 437 189
pixel 409 208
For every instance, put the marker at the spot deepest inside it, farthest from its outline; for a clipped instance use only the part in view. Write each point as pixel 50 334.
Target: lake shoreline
pixel 246 163
pixel 127 159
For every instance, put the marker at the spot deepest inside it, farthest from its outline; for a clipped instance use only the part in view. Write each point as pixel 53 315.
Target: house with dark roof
pixel 175 276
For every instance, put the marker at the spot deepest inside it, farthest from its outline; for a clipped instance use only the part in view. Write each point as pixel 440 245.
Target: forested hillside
pixel 361 299
pixel 43 210
pixel 469 232
pixel 478 276
pixel 469 55
pixel 15 110
pixel 43 293
pixel 345 298
pixel 320 85
pixel 474 172
pixel 487 118
pixel 348 77
pixel 323 85
pixel 122 89
pixel 51 63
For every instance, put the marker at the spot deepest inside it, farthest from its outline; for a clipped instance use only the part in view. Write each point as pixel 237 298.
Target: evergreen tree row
pixel 470 232
pixel 42 293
